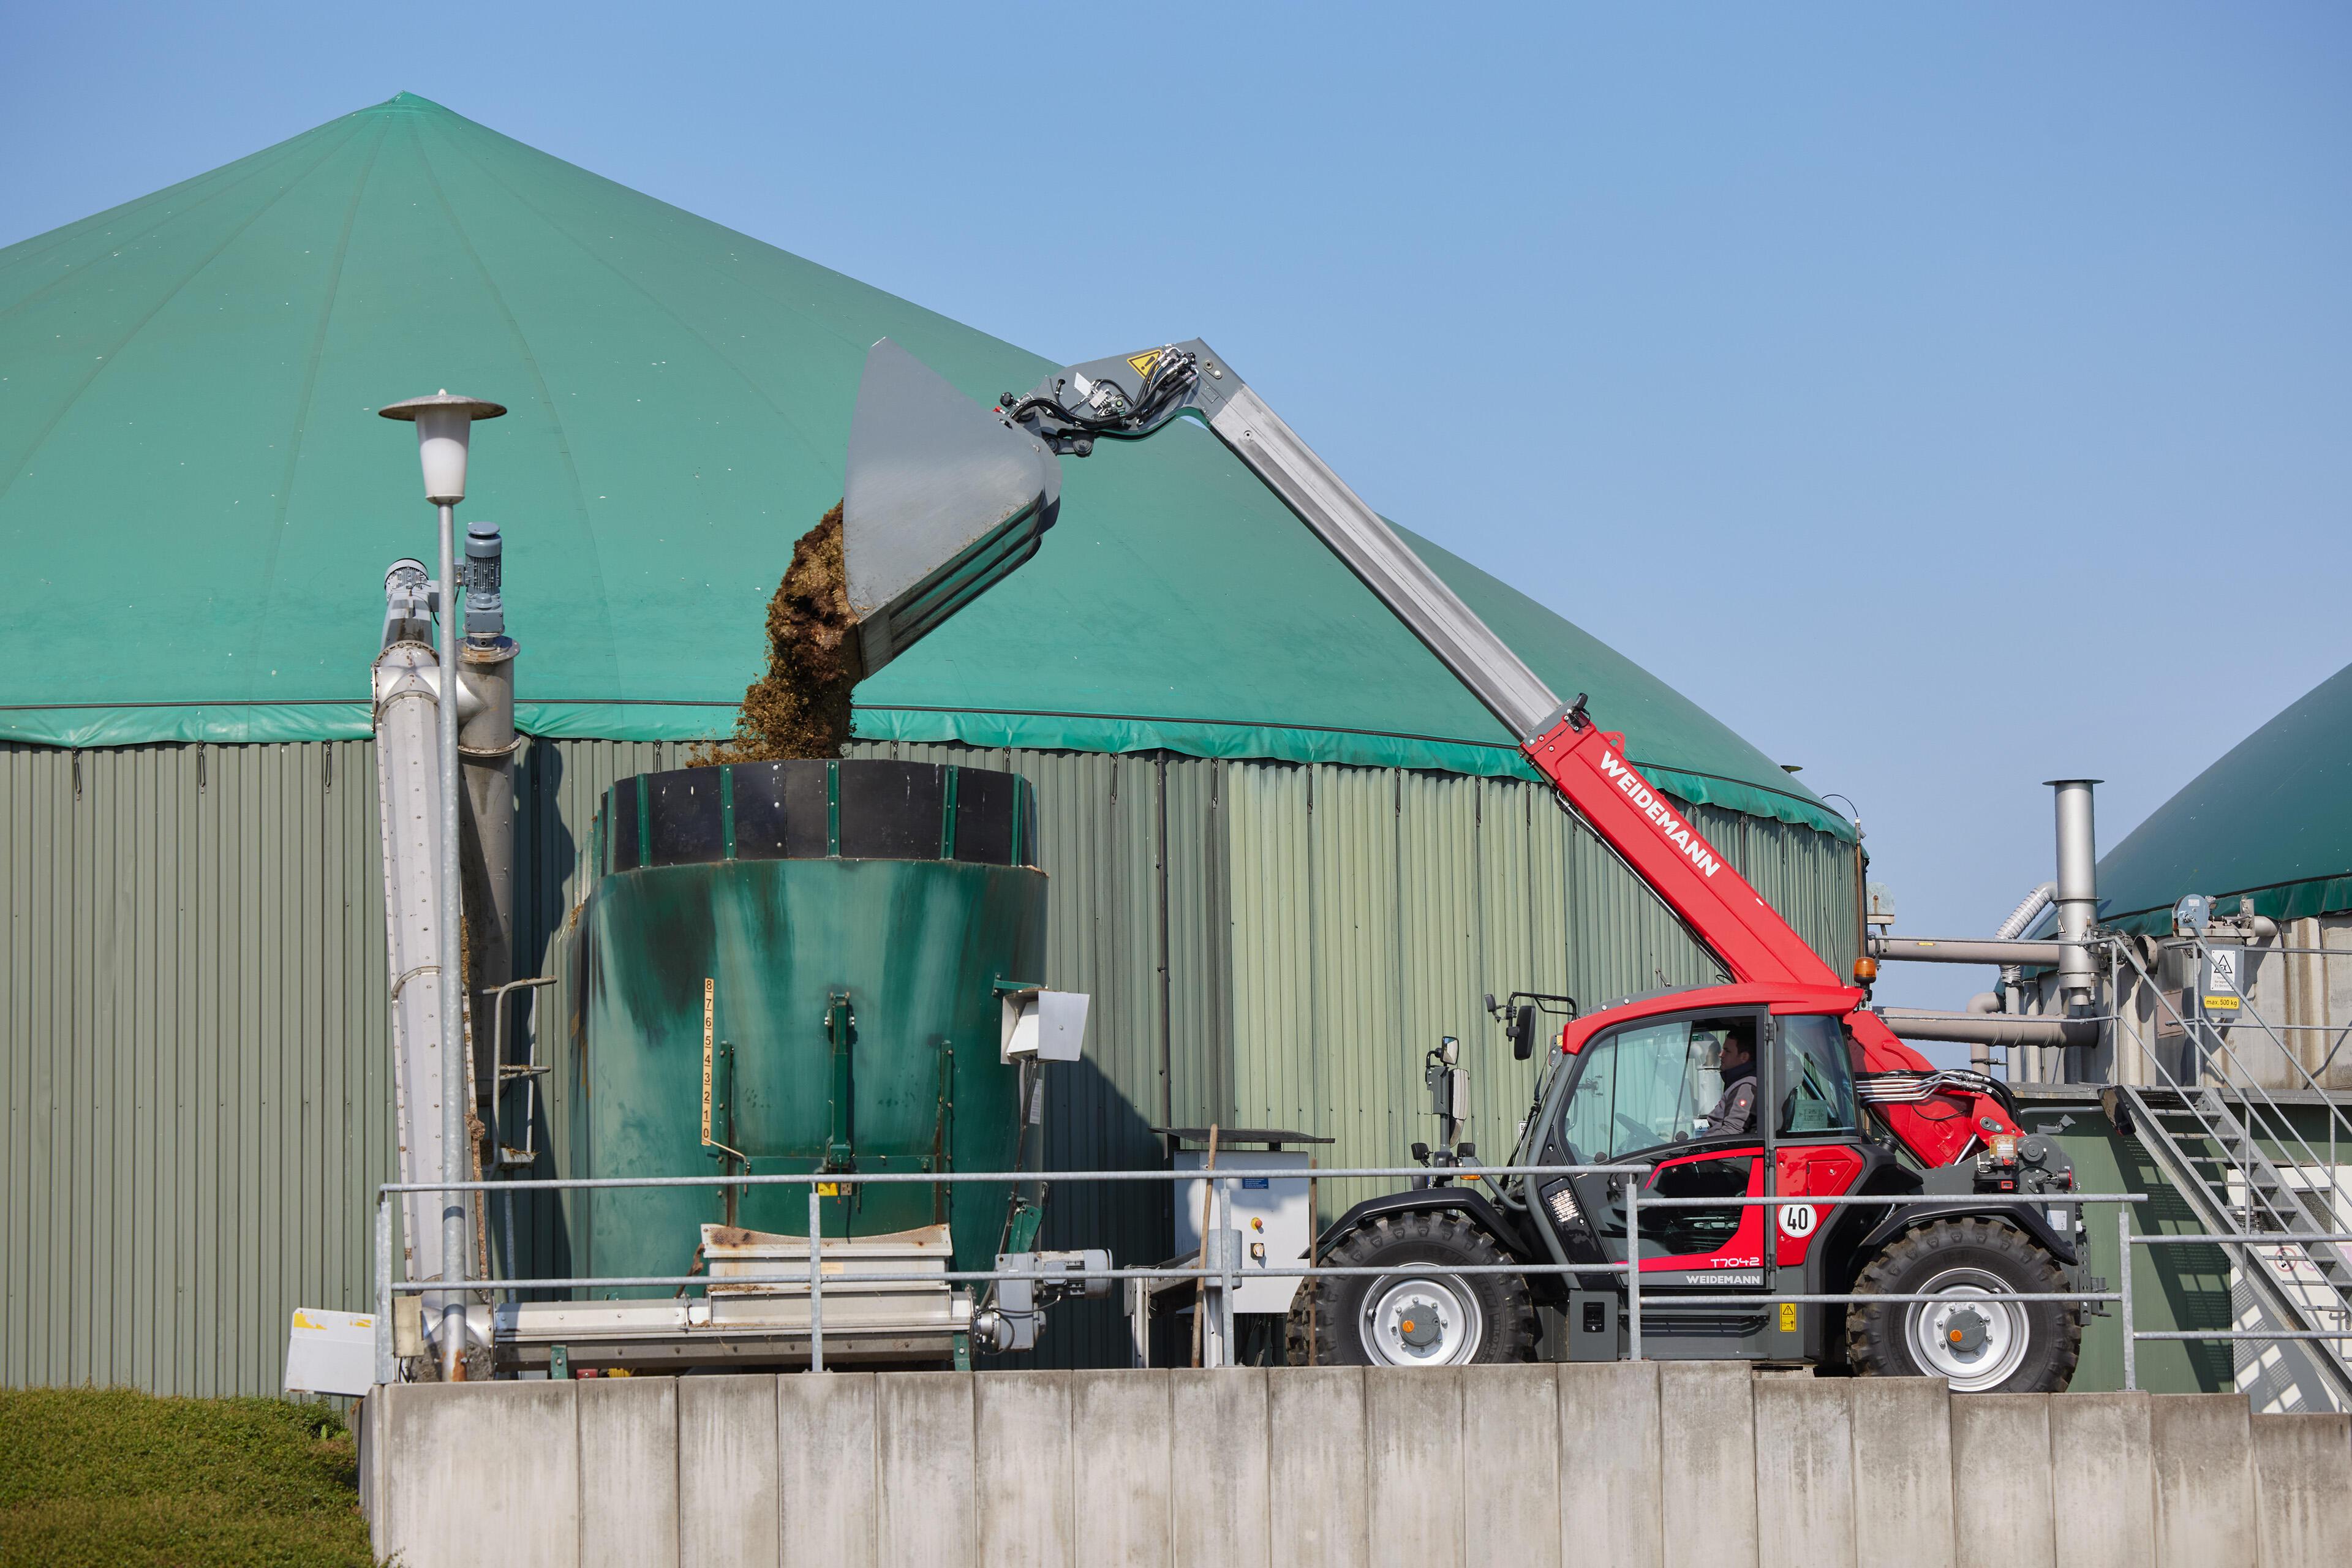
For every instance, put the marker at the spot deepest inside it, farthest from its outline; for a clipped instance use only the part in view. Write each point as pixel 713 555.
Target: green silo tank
pixel 844 928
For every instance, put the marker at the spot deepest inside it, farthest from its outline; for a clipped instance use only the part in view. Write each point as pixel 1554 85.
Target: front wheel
pixel 1979 1346
pixel 1415 1312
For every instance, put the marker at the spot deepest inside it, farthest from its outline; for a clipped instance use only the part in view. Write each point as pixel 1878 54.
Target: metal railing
pixel 2342 1337
pixel 1227 1274
pixel 2263 1207
pixel 2235 1076
pixel 2235 1114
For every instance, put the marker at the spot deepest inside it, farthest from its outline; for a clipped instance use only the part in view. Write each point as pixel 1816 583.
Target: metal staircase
pixel 2208 1137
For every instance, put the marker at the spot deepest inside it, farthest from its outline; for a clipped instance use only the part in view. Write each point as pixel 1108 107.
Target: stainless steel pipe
pixel 2043 1033
pixel 455 1240
pixel 1965 949
pixel 2078 888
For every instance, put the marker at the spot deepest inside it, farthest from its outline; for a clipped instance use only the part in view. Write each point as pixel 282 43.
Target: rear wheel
pixel 1977 1345
pixel 1414 1312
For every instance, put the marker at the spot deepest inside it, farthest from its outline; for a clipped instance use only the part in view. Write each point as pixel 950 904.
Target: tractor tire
pixel 1978 1347
pixel 1417 1315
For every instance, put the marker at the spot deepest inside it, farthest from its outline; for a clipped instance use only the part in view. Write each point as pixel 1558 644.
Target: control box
pixel 1270 1212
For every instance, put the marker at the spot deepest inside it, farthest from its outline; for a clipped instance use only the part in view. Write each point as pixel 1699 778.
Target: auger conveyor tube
pixel 410 818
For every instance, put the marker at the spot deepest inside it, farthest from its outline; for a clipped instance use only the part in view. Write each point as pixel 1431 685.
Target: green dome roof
pixel 2270 821
pixel 197 502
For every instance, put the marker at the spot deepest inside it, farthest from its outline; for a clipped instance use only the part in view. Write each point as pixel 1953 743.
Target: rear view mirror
pixel 1522 1031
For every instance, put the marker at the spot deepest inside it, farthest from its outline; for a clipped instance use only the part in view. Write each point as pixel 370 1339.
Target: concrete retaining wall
pixel 1645 1465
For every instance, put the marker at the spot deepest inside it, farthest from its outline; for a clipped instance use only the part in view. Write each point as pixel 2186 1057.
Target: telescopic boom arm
pixel 1087 403
pixel 1133 396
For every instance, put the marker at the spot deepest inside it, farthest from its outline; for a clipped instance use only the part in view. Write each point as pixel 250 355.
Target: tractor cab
pixel 1709 1099
pixel 1724 1093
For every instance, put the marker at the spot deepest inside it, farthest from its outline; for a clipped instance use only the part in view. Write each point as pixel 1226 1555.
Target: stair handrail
pixel 2280 1302
pixel 2287 1225
pixel 2241 1079
pixel 2188 1101
pixel 2327 1105
pixel 2256 1202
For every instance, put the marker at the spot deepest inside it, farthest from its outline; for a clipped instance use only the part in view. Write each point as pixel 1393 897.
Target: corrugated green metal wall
pixel 194 1014
pixel 194 996
pixel 193 1034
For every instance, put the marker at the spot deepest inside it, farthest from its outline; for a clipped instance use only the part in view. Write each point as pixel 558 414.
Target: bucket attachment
pixel 940 499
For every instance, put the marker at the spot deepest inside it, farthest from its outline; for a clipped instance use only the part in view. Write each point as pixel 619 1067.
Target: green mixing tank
pixel 793 967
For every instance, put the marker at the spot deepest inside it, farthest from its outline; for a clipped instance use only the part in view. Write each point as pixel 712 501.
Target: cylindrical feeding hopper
pixel 817 948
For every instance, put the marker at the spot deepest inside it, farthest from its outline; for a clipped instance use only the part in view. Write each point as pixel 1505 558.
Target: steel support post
pixel 2123 1287
pixel 455 1086
pixel 1634 1268
pixel 387 1365
pixel 816 1278
pixel 1226 1251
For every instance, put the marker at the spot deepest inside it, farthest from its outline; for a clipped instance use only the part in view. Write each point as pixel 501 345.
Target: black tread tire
pixel 1428 1235
pixel 1877 1344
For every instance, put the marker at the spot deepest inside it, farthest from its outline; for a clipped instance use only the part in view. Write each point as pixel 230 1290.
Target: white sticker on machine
pixel 1798 1220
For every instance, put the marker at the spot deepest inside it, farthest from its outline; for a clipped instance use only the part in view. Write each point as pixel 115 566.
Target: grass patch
pixel 112 1477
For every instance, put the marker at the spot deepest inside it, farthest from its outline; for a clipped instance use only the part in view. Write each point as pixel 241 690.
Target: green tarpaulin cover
pixel 197 503
pixel 2270 821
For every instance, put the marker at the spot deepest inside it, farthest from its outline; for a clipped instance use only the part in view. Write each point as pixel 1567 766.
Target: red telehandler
pixel 945 496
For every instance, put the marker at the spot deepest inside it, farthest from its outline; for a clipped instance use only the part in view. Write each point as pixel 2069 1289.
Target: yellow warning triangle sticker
pixel 1143 362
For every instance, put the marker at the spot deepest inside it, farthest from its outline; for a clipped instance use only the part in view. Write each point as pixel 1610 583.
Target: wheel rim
pixel 1421 1321
pixel 1972 1343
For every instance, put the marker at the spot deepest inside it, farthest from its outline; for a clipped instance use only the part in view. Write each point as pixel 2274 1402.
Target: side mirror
pixel 1522 1031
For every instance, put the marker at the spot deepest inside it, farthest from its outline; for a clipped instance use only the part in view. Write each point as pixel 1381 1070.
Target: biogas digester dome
pixel 2270 821
pixel 199 508
pixel 1286 850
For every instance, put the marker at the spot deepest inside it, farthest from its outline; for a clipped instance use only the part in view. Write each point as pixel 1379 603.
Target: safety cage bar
pixel 1227 1276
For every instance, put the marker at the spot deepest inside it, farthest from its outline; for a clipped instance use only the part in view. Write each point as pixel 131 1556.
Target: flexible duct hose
pixel 2027 911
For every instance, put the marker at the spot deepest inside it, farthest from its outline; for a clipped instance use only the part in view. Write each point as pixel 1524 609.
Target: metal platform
pixel 750 1317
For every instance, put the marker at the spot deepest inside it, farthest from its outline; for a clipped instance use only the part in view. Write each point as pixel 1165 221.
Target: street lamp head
pixel 443 423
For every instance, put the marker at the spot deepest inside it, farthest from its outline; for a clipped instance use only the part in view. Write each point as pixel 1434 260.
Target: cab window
pixel 1816 1077
pixel 1645 1086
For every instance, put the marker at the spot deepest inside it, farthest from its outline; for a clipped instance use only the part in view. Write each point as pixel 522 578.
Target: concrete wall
pixel 1645 1465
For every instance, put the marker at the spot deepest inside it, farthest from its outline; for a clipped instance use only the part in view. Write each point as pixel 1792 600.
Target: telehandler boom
pixel 943 497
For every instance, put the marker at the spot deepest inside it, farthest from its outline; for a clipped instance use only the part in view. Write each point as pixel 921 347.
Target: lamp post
pixel 443 423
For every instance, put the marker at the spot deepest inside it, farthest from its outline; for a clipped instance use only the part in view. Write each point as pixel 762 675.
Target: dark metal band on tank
pixel 855 809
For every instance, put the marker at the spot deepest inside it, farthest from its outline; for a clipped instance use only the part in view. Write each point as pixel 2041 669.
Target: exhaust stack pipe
pixel 2078 889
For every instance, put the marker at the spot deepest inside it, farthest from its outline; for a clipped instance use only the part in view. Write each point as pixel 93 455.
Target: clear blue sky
pixel 1949 397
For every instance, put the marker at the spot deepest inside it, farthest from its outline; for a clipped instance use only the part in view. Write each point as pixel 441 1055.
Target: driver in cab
pixel 1736 1110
